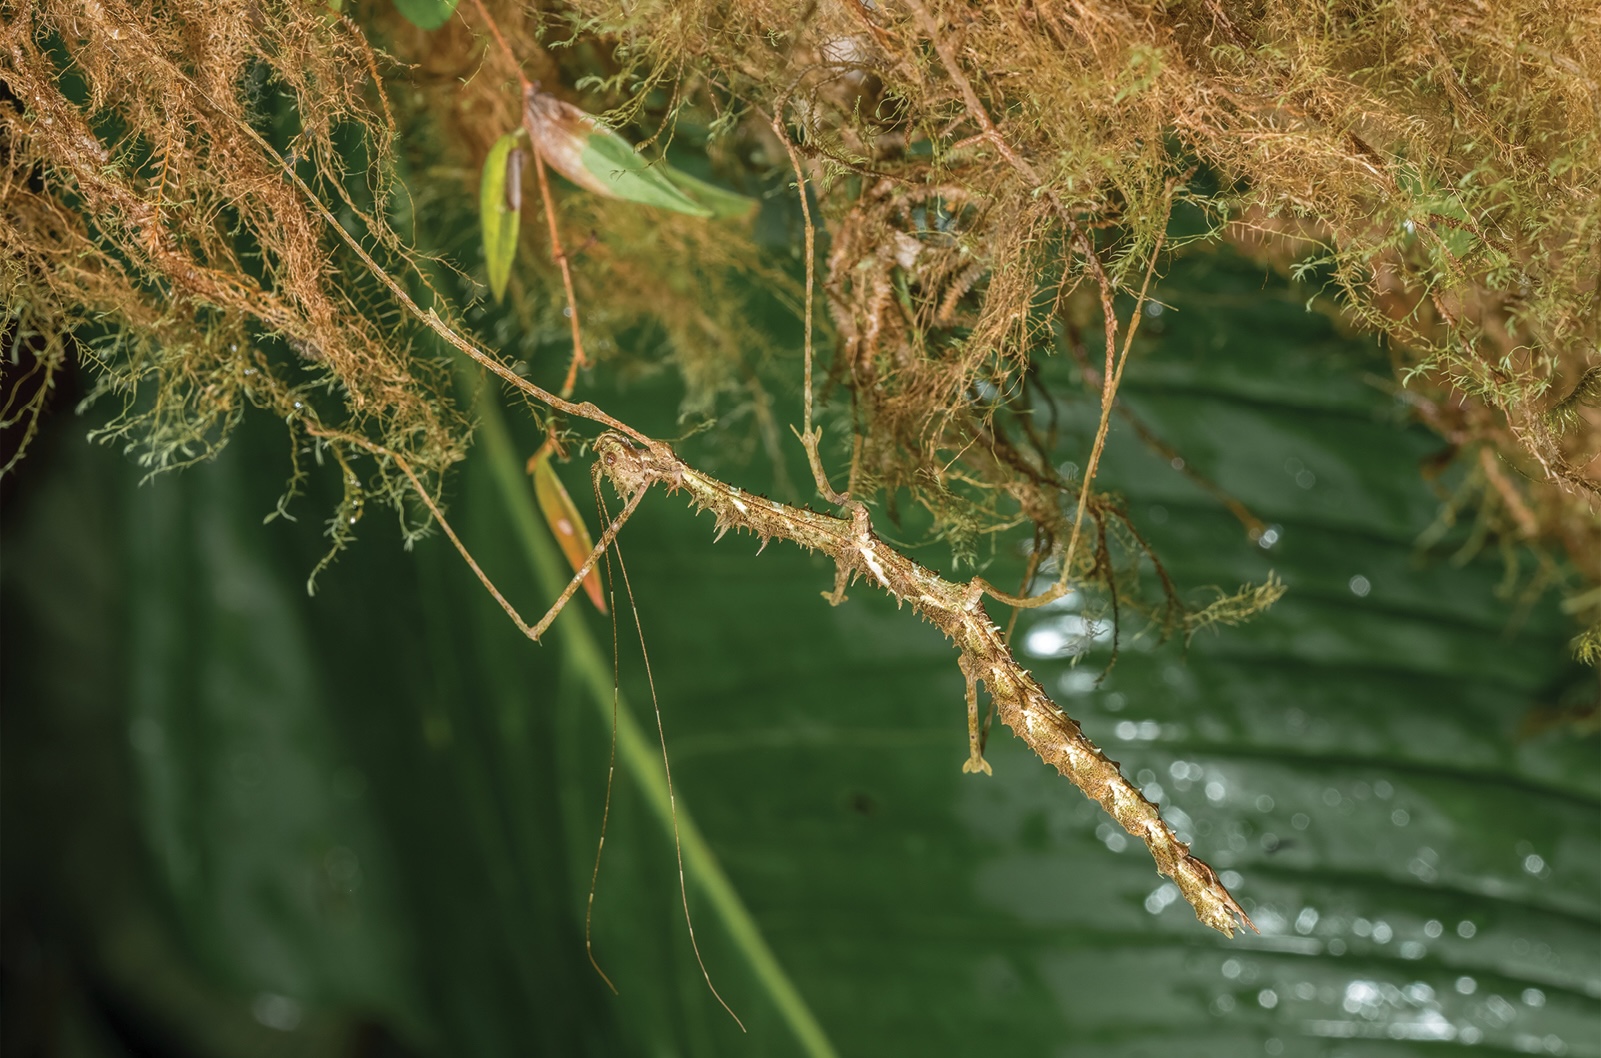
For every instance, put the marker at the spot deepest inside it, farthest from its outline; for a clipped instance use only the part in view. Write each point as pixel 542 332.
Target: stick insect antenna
pixel 672 802
pixel 611 763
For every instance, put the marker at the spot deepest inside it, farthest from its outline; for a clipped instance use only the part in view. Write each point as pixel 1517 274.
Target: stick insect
pixel 956 609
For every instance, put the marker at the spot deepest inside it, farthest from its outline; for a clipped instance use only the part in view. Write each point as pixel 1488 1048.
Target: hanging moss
pixel 996 186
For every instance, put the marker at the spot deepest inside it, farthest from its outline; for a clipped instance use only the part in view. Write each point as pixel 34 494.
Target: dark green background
pixel 239 820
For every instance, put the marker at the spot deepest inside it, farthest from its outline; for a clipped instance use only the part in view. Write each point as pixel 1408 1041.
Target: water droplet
pixel 1076 682
pixel 1336 946
pixel 1264 803
pixel 1413 949
pixel 1466 929
pixel 1215 792
pixel 1231 968
pixel 1177 462
pixel 146 735
pixel 1382 932
pixel 1158 514
pixel 1533 997
pixel 1306 921
pixel 1233 880
pixel 1533 863
pixel 1360 994
pixel 1273 1045
pixel 1360 586
pixel 1164 895
pixel 1267 998
pixel 1153 309
pixel 1400 817
pixel 276 1011
pixel 1300 821
pixel 1306 479
pixel 1466 985
pixel 343 868
pixel 1269 536
pixel 1499 1011
pixel 1382 790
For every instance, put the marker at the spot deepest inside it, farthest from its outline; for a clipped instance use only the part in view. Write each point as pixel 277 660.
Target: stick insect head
pixel 631 468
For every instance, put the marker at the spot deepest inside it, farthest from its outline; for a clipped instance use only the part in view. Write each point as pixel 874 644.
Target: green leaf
pixel 724 204
pixel 500 208
pixel 597 159
pixel 627 175
pixel 426 14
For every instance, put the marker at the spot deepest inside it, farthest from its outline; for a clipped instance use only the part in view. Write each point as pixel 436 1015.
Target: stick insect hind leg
pixel 534 631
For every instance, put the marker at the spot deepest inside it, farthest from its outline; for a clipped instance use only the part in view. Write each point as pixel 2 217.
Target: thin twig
pixel 559 255
pixel 431 319
pixel 809 437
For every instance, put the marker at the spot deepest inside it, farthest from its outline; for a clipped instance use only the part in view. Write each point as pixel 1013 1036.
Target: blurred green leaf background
pixel 241 820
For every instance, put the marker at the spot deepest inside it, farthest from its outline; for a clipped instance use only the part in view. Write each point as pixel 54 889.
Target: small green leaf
pixel 724 204
pixel 597 159
pixel 626 175
pixel 426 14
pixel 500 208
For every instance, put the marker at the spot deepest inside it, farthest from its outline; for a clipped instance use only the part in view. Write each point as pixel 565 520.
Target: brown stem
pixel 809 437
pixel 559 255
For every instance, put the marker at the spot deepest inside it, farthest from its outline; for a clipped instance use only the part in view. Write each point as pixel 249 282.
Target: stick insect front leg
pixel 599 549
pixel 531 631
